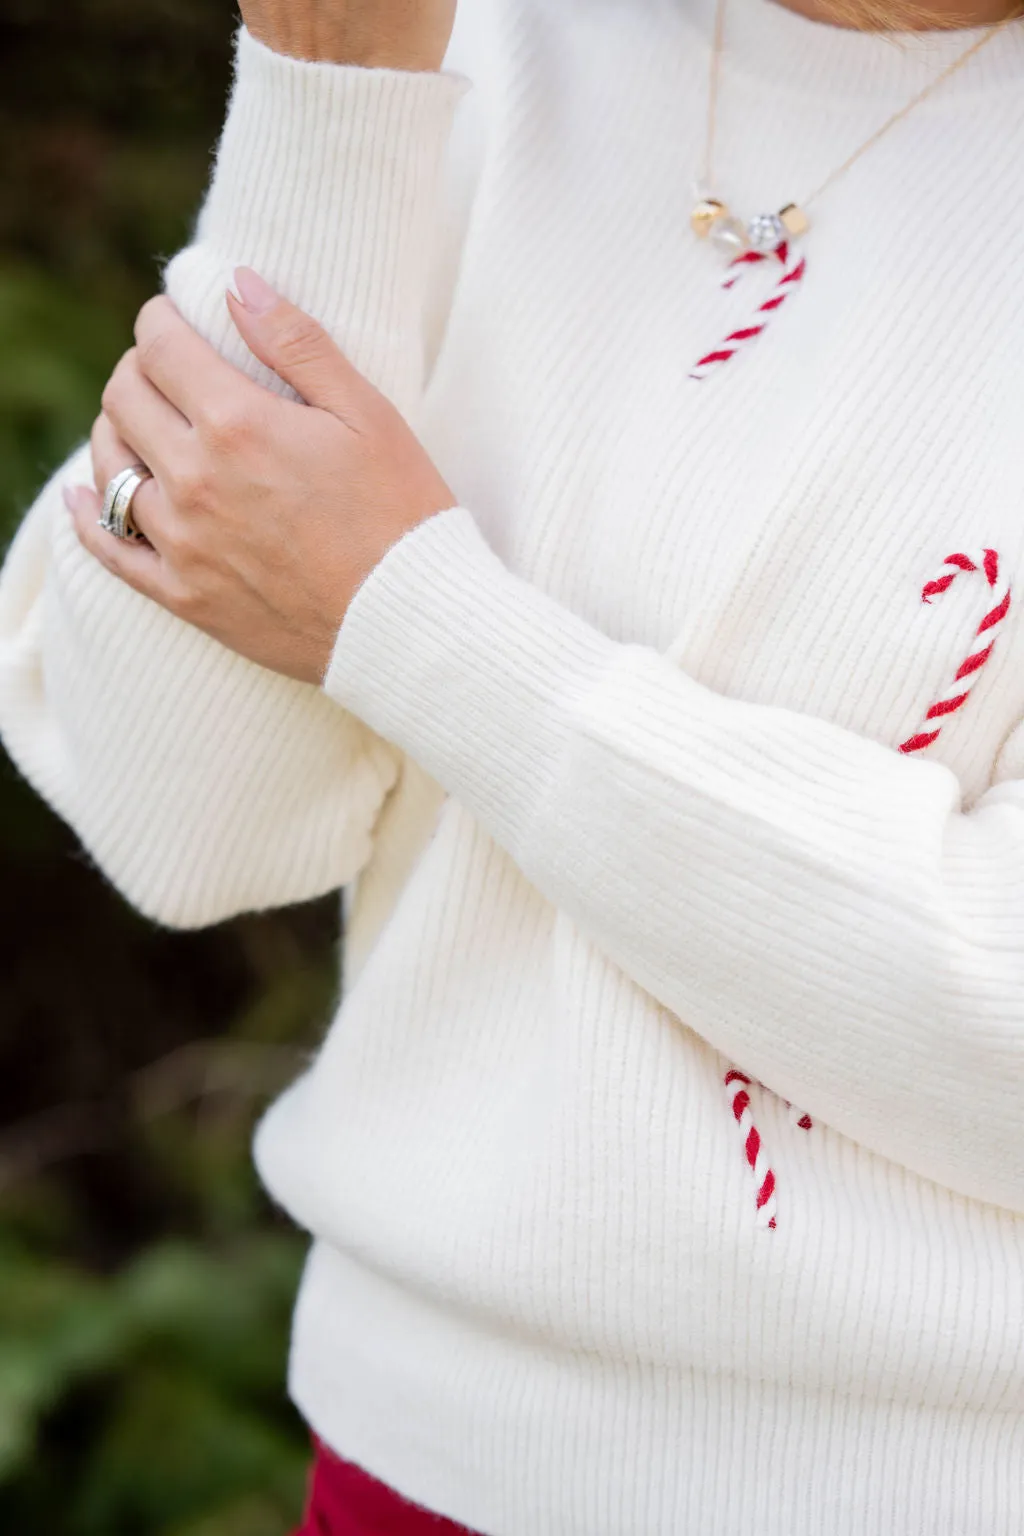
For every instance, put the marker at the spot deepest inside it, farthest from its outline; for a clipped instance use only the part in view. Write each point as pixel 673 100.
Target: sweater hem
pixel 512 1437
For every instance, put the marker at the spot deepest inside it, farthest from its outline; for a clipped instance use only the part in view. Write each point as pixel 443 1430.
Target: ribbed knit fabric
pixel 607 757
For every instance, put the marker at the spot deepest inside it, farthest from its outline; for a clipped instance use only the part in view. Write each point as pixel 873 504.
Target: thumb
pixel 291 343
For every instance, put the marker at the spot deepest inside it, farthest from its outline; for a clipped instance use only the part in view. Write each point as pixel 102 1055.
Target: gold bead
pixel 707 212
pixel 794 220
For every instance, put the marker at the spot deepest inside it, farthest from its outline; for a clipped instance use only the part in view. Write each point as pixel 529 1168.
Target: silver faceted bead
pixel 765 232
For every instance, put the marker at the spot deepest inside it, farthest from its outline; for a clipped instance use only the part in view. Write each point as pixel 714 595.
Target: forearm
pixel 812 903
pixel 233 787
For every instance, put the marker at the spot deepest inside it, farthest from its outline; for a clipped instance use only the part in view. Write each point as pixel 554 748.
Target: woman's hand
pixel 264 515
pixel 382 34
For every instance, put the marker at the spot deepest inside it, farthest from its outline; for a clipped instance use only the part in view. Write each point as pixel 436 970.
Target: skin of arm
pixel 383 34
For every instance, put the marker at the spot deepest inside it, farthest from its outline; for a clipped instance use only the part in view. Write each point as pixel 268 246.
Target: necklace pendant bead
pixel 729 237
pixel 766 232
pixel 794 221
pixel 707 212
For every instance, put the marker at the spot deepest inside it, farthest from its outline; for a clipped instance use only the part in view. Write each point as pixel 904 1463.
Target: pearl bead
pixel 729 236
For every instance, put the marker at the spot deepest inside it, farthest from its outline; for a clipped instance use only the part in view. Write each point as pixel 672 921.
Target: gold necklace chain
pixel 713 217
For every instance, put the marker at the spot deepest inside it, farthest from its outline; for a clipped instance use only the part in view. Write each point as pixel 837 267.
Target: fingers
pixel 295 346
pixel 139 565
pixel 155 433
pixel 187 371
pixel 110 453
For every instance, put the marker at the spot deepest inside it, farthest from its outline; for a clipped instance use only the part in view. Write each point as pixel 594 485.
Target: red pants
pixel 346 1501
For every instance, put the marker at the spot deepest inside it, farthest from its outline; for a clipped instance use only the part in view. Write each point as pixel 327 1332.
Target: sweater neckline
pixel 791 54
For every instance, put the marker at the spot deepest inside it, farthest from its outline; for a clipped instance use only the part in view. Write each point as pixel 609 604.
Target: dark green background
pixel 145 1284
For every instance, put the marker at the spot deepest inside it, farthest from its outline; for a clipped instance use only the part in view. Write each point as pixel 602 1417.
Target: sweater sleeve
pixel 202 784
pixel 815 905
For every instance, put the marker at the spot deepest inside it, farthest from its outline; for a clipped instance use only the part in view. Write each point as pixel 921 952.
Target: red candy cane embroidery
pixel 956 695
pixel 741 264
pixel 738 1086
pixel 736 340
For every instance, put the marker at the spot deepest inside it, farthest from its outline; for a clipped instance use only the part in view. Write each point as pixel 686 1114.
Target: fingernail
pixel 73 497
pixel 256 295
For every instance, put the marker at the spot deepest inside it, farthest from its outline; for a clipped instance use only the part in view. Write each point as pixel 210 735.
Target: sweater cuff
pixel 473 672
pixel 329 181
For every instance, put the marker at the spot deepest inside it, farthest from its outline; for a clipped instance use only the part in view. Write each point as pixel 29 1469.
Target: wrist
pixel 313 45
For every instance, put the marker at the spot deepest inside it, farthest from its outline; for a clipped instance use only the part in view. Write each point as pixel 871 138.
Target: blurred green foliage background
pixel 145 1284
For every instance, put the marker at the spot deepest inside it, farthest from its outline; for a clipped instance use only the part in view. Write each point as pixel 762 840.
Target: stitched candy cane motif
pixel 742 264
pixel 955 696
pixel 792 277
pixel 738 1086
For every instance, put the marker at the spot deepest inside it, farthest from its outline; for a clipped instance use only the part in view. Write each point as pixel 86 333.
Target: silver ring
pixel 117 502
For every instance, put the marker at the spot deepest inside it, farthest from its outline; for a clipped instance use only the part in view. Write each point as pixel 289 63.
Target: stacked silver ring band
pixel 117 503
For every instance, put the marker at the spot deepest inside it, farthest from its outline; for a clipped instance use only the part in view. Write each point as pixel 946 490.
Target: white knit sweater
pixel 606 757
